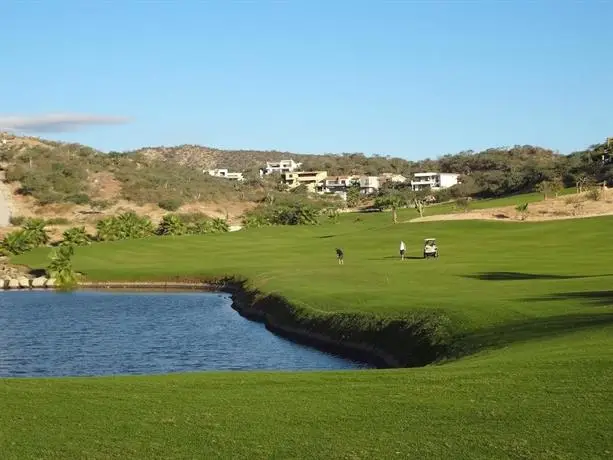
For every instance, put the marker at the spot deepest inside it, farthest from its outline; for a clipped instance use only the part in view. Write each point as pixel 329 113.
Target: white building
pixel 281 167
pixel 433 181
pixel 314 181
pixel 340 184
pixel 394 178
pixel 369 184
pixel 226 174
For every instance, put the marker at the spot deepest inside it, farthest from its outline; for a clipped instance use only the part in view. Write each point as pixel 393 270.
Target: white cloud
pixel 56 122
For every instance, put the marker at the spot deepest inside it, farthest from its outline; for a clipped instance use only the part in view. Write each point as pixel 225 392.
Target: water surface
pixel 85 333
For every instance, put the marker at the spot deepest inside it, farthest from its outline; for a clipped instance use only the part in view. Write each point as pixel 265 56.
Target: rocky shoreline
pixel 27 283
pixel 12 277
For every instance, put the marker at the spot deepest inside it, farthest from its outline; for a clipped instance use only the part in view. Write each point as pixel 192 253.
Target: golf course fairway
pixel 523 313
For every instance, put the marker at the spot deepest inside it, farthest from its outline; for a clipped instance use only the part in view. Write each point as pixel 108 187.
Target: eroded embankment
pixel 415 339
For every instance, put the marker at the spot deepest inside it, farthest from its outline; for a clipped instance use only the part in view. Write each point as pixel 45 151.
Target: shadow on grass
pixel 517 276
pixel 590 297
pixel 37 272
pixel 532 329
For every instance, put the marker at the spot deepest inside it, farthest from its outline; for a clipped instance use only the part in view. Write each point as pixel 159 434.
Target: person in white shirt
pixel 402 250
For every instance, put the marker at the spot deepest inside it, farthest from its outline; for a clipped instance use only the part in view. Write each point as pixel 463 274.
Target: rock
pixel 50 282
pixel 13 284
pixel 3 283
pixel 24 282
pixel 39 282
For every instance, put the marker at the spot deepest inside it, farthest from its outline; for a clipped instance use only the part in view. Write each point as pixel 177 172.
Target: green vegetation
pixel 127 225
pixel 76 236
pixel 526 307
pixel 60 267
pixel 522 209
pixel 488 203
pixel 31 235
pixel 53 172
pixel 185 224
pixel 282 209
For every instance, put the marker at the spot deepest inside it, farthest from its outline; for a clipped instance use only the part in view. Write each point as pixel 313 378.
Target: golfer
pixel 403 249
pixel 339 256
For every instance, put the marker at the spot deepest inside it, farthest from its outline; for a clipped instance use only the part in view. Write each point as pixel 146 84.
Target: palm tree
pixel 37 232
pixel 60 267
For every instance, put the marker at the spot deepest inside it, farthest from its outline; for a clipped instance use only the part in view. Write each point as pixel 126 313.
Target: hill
pixel 79 184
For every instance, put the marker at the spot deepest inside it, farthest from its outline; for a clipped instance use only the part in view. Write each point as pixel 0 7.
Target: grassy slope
pixel 512 200
pixel 536 296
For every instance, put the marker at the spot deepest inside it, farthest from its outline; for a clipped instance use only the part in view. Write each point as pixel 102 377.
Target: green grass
pixel 532 299
pixel 512 200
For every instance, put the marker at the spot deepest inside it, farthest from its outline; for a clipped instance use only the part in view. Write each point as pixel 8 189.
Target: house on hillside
pixel 433 181
pixel 369 184
pixel 226 174
pixel 339 185
pixel 315 181
pixel 281 167
pixel 391 177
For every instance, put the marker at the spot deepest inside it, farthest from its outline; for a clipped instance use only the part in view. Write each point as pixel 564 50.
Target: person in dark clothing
pixel 339 256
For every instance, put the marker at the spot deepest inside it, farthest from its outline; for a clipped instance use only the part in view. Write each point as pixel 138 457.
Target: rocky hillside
pixel 79 184
pixel 200 157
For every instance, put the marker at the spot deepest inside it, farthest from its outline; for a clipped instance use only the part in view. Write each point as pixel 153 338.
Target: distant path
pixel 5 202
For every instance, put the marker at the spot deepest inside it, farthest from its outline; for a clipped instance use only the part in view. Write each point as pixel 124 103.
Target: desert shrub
pixel 127 225
pixel 16 173
pixel 57 221
pixel 594 193
pixel 192 217
pixel 332 213
pixel 76 236
pixel 152 181
pixel 445 194
pixel 170 204
pixel 49 179
pixel 78 198
pixel 572 200
pixel 353 196
pixel 522 209
pixel 17 220
pixel 100 204
pixel 7 154
pixel 462 203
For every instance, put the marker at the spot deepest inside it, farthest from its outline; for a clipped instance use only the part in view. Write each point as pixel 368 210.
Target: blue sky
pixel 413 79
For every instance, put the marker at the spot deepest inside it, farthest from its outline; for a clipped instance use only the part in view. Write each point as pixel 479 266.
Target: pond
pixel 87 333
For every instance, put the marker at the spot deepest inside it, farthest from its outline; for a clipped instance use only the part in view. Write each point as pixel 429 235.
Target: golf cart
pixel 430 248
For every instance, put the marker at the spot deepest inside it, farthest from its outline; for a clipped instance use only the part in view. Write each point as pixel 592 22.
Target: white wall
pixel 448 180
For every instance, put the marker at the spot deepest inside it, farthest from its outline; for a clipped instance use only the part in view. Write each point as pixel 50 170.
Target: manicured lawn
pixel 533 299
pixel 513 200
